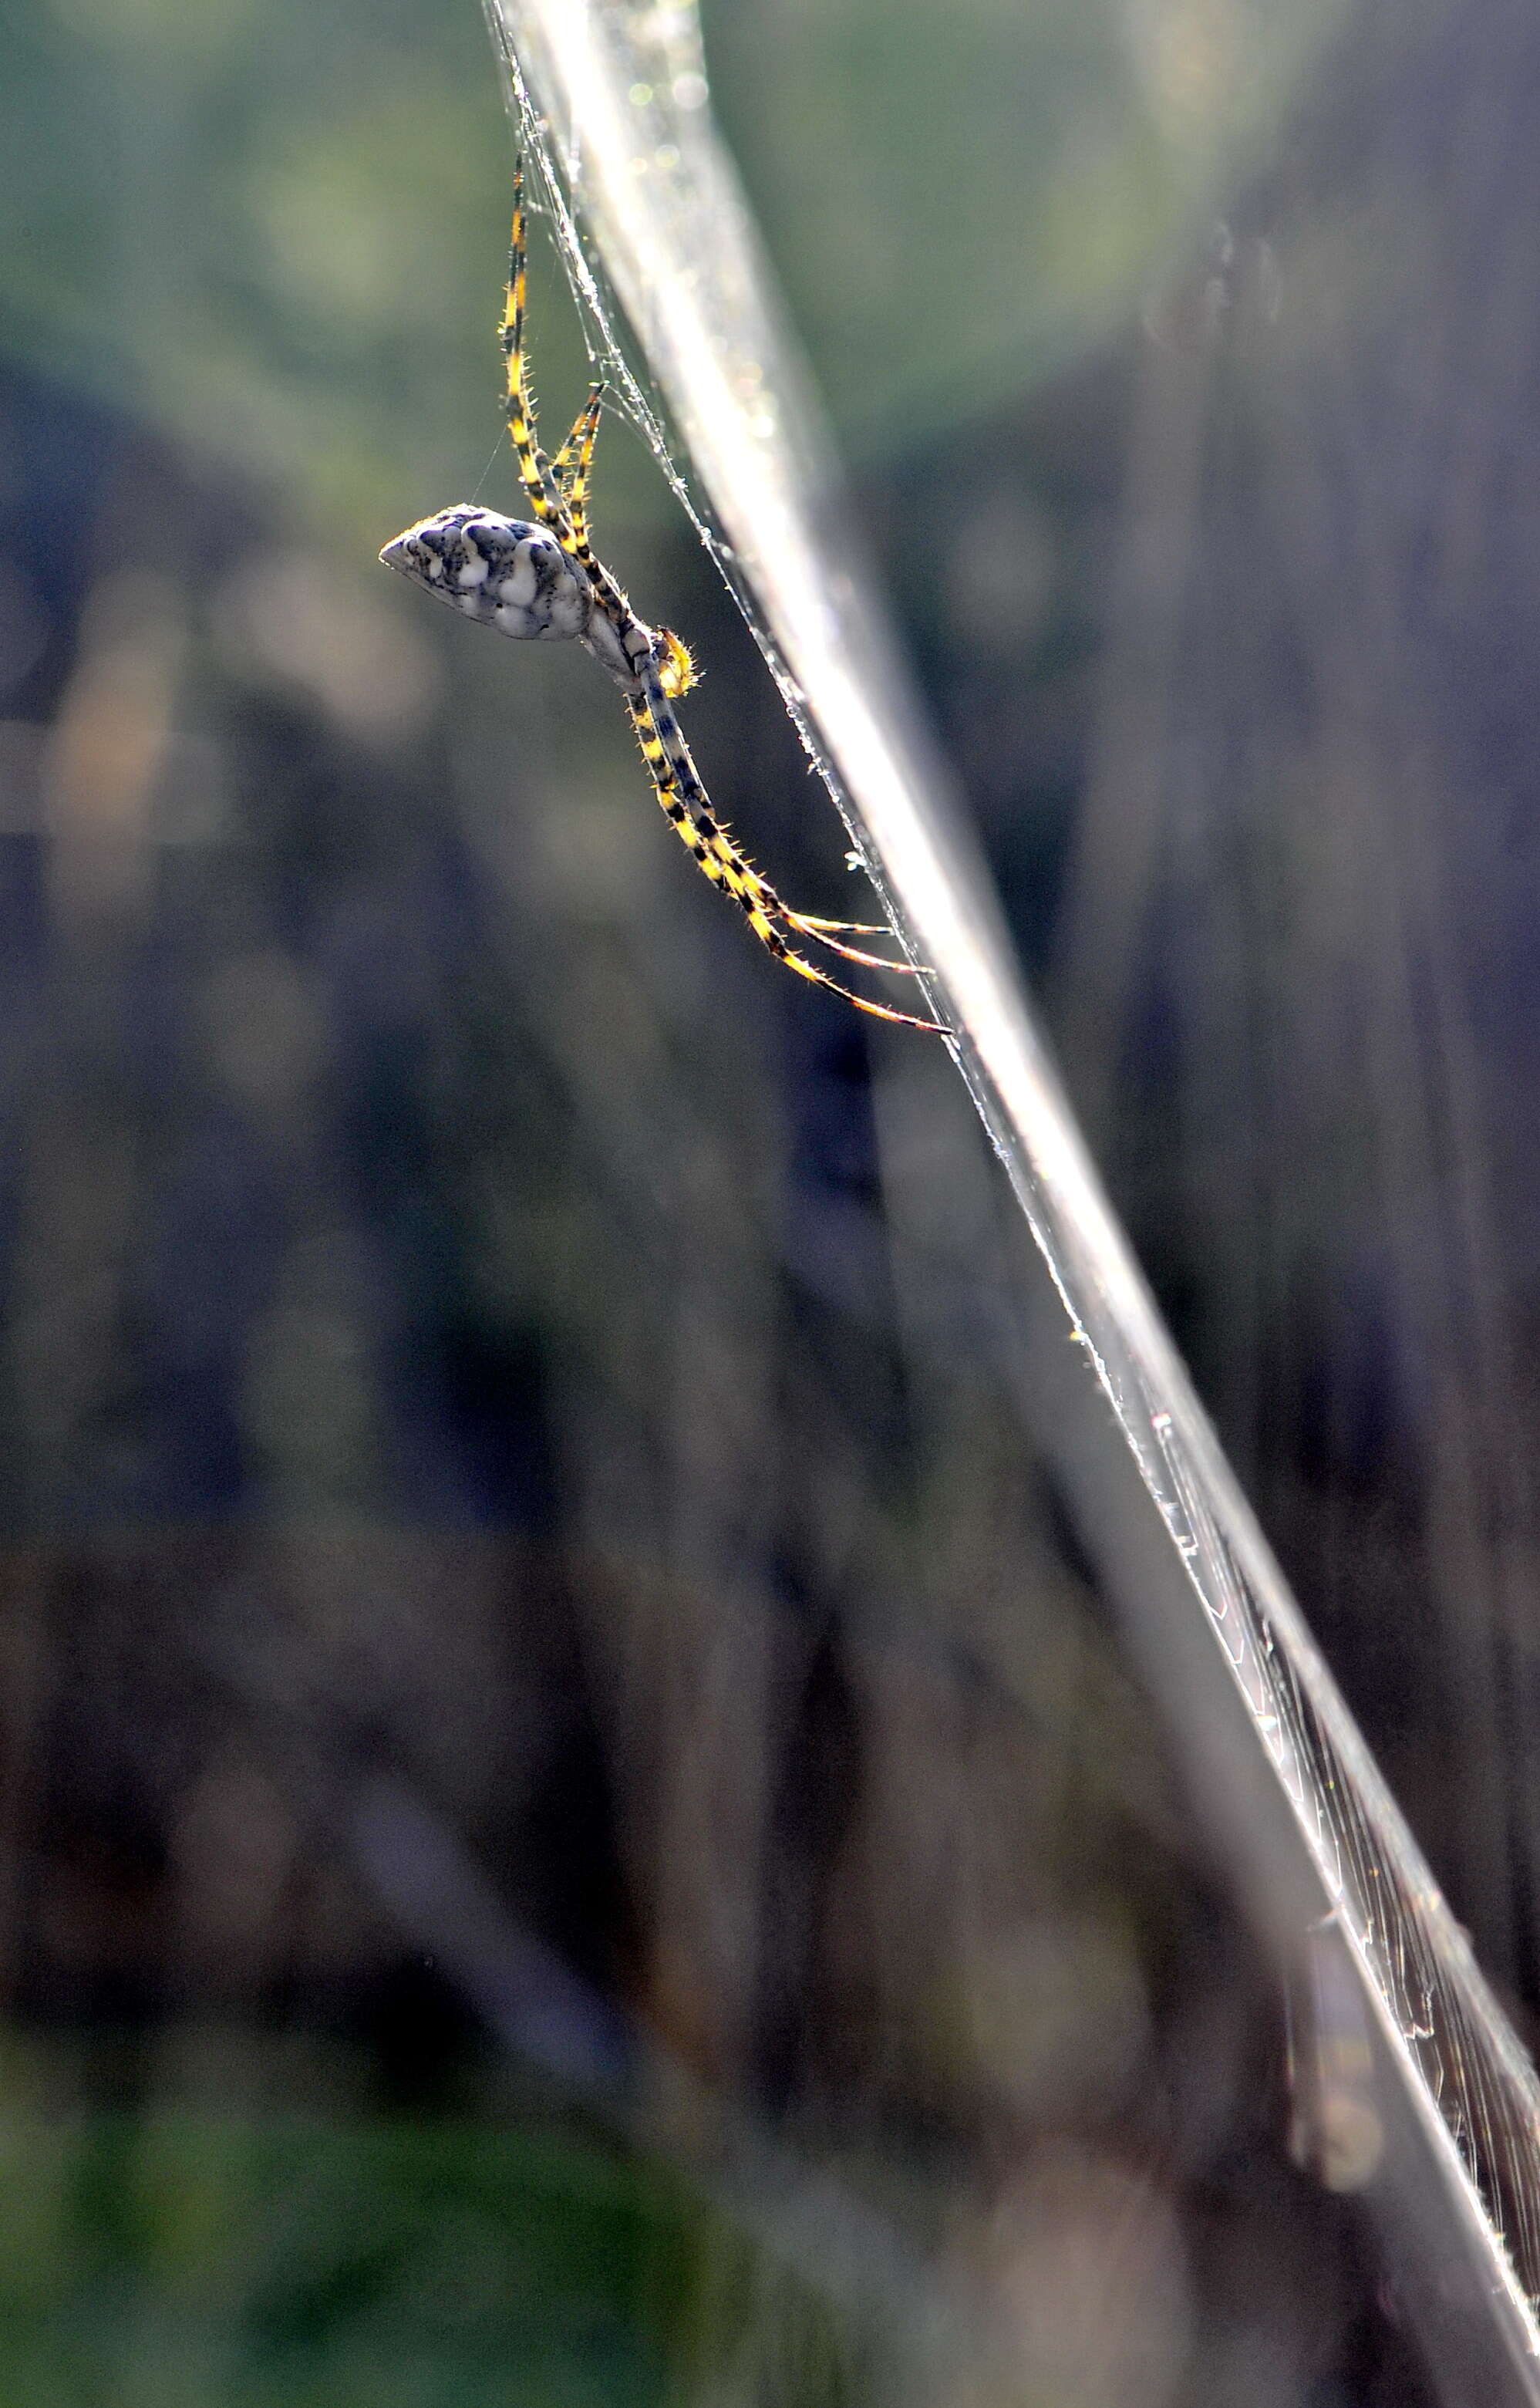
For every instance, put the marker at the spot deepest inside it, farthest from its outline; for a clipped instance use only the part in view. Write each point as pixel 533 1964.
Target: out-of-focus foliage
pixel 961 197
pixel 282 228
pixel 272 227
pixel 273 2261
pixel 469 1319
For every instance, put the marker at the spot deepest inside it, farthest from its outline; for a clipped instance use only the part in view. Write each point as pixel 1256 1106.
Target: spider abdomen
pixel 506 573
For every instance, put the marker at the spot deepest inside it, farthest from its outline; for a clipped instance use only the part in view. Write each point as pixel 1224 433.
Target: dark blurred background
pixel 536 1651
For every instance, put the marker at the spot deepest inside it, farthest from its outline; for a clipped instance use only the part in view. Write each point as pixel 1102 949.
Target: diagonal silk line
pixel 614 98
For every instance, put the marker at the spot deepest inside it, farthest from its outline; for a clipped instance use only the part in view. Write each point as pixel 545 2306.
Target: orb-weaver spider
pixel 542 581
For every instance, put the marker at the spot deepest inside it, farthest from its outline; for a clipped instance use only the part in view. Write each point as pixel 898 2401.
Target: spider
pixel 541 581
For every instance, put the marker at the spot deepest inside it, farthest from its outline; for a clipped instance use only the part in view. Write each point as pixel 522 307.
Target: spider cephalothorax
pixel 539 580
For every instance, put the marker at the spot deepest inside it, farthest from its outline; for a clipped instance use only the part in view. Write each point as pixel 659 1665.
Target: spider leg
pixel 822 932
pixel 745 878
pixel 570 469
pixel 558 506
pixel 687 804
pixel 571 466
pixel 723 860
pixel 715 853
pixel 818 931
pixel 534 472
pixel 700 838
pixel 845 927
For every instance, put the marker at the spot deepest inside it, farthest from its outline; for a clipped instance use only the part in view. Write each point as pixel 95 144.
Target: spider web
pixel 1413 2084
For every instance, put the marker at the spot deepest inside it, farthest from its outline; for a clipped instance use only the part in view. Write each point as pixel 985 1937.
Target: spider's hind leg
pixel 571 466
pixel 534 473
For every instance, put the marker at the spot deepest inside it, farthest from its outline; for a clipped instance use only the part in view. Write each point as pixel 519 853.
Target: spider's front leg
pixel 701 838
pixel 662 744
pixel 687 806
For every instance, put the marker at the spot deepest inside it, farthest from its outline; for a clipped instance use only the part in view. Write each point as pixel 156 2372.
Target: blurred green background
pixel 573 1826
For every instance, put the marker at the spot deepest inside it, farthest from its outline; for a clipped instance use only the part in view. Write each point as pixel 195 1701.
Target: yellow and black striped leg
pixel 699 842
pixel 687 804
pixel 826 933
pixel 571 467
pixel 666 743
pixel 534 473
pixel 671 743
pixel 822 933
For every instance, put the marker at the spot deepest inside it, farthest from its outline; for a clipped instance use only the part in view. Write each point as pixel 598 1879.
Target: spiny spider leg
pixel 701 840
pixel 570 469
pixel 545 496
pixel 533 467
pixel 714 850
pixel 715 853
pixel 671 769
pixel 848 951
pixel 819 930
pixel 746 879
pixel 814 929
pixel 846 928
pixel 571 466
pixel 723 860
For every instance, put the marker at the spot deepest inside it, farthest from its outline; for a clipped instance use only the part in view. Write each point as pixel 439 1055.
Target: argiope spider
pixel 542 581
